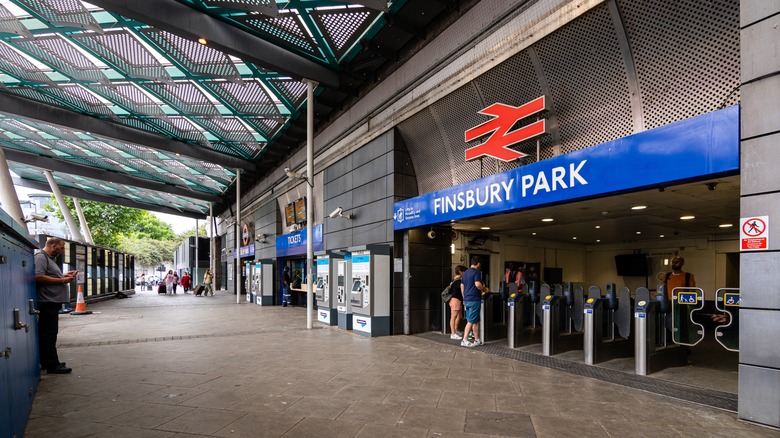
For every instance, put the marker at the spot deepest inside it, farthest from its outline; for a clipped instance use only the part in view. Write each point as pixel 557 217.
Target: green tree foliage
pixel 202 232
pixel 149 252
pixel 127 229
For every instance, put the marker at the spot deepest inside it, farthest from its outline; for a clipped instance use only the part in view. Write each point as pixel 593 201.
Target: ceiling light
pixel 598 240
pixel 548 219
pixel 661 235
pixel 598 226
pixel 574 238
pixel 639 232
pixel 725 225
pixel 203 41
pixel 533 234
pixel 687 218
pixel 639 207
pixel 484 228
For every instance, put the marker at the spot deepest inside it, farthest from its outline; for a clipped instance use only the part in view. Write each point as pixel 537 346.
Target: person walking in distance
pixel 472 289
pixel 185 281
pixel 208 280
pixel 52 290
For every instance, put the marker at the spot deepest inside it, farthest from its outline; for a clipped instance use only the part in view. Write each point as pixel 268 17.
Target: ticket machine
pixel 325 288
pixel 263 282
pixel 343 304
pixel 369 290
pixel 248 280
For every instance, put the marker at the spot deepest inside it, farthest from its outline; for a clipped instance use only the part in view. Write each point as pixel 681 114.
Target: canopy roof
pixel 123 103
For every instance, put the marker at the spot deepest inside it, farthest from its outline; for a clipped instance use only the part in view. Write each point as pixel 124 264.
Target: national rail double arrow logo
pixel 503 119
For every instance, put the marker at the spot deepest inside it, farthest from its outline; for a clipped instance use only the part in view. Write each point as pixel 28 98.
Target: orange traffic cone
pixel 81 306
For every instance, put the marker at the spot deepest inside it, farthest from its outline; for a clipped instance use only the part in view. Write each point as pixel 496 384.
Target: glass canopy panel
pixel 62 56
pixel 68 13
pixel 196 58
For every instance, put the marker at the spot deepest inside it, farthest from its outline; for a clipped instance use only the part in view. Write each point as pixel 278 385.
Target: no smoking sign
pixel 754 233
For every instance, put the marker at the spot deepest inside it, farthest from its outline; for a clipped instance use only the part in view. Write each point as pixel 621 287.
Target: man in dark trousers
pixel 286 282
pixel 52 290
pixel 472 289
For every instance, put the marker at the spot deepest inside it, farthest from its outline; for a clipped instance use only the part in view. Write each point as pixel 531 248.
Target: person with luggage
pixel 208 279
pixel 185 281
pixel 169 283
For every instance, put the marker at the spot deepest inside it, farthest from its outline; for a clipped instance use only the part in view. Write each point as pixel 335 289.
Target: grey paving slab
pixel 154 366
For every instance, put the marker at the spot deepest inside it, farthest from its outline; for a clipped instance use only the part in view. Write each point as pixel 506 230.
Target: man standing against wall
pixel 52 290
pixel 472 289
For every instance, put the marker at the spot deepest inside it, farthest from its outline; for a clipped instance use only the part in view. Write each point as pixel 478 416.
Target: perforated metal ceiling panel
pixel 687 56
pixel 63 13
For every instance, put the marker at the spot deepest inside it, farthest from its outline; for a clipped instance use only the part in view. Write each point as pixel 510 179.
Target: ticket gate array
pixel 562 318
pixel 522 325
pixel 653 324
pixel 492 316
pixel 607 333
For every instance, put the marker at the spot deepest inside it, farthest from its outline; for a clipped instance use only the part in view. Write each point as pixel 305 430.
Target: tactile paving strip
pixel 703 396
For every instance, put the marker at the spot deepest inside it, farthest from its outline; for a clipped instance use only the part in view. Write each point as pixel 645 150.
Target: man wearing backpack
pixel 678 277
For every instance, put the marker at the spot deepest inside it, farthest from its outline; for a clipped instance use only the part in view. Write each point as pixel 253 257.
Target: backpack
pixel 446 294
pixel 296 283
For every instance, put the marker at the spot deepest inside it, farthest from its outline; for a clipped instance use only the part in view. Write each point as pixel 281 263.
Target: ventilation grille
pixel 686 54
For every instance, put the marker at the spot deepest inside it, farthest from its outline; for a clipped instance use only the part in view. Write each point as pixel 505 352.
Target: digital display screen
pixel 289 213
pixel 300 211
pixel 356 286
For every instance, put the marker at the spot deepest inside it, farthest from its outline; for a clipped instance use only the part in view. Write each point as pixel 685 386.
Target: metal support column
pixel 8 193
pixel 83 222
pixel 237 279
pixel 212 242
pixel 194 272
pixel 74 230
pixel 309 201
pixel 407 276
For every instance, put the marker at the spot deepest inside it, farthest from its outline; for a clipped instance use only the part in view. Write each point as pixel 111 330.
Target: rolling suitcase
pixel 161 288
pixel 198 290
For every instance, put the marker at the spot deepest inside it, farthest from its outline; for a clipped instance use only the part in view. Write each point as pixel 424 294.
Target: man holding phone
pixel 52 291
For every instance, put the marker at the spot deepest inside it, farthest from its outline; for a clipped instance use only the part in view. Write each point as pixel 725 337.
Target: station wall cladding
pixel 607 75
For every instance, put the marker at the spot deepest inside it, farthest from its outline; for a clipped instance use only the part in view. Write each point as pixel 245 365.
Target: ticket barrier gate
pixel 686 301
pixel 607 324
pixel 651 352
pixel 561 329
pixel 522 328
pixel 727 300
pixel 492 317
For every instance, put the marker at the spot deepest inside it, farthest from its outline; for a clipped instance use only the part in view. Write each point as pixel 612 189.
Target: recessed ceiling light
pixel 533 234
pixel 574 238
pixel 639 232
pixel 725 225
pixel 203 41
pixel 484 228
pixel 598 240
pixel 548 219
pixel 639 207
pixel 598 226
pixel 661 235
pixel 687 218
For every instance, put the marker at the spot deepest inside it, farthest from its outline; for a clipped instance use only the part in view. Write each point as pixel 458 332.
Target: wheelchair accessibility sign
pixel 731 300
pixel 687 298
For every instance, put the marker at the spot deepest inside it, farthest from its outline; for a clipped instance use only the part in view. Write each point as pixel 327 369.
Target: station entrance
pixel 584 304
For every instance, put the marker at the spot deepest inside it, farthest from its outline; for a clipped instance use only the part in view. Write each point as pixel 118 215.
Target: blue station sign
pixel 295 243
pixel 699 147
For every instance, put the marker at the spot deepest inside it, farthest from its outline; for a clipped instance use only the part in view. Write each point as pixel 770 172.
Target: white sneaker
pixel 477 342
pixel 465 343
pixel 455 336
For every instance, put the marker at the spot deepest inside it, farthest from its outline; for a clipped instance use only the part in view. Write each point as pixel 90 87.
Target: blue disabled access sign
pixel 731 300
pixel 687 298
pixel 699 147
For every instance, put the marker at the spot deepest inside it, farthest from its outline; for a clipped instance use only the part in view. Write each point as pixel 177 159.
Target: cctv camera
pixel 287 170
pixel 39 217
pixel 711 186
pixel 431 234
pixel 336 213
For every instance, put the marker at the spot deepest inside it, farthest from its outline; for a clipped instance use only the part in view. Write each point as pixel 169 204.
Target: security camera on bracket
pixel 37 217
pixel 338 212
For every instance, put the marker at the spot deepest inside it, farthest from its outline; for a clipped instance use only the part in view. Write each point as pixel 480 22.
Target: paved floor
pixel 184 366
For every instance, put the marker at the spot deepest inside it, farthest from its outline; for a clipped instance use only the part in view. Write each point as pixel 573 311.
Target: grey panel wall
pixel 268 222
pixel 759 370
pixel 683 57
pixel 365 184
